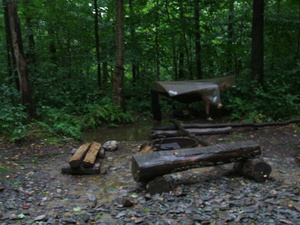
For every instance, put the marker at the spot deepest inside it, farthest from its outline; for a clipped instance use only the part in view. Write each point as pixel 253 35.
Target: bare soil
pixel 34 167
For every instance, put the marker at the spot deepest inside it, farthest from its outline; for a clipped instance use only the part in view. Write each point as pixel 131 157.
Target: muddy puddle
pixel 124 133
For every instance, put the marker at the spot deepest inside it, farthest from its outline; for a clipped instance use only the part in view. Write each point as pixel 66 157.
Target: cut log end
pixel 256 169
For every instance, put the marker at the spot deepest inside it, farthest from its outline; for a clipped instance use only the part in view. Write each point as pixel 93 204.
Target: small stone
pixel 110 146
pixel 138 220
pixel 148 196
pixel 40 218
pixel 121 214
pixel 126 202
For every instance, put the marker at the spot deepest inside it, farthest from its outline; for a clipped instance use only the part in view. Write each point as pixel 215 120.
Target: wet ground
pixel 32 188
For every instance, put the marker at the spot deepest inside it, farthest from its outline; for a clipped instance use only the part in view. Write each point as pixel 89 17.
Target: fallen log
pixel 146 167
pixel 200 140
pixel 196 131
pixel 255 169
pixel 76 160
pixel 215 125
pixel 91 155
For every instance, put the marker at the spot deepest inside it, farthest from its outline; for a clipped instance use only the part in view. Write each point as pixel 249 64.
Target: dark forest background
pixel 71 65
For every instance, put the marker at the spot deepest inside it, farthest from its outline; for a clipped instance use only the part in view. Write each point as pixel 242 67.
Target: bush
pixel 13 121
pixel 274 102
pixel 99 114
pixel 59 122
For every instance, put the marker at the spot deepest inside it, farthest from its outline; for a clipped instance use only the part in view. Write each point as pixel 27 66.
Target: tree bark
pixel 230 55
pixel 31 54
pixel 257 55
pixel 118 98
pixel 96 30
pixel 157 47
pixel 146 167
pixel 197 41
pixel 18 53
pixel 13 77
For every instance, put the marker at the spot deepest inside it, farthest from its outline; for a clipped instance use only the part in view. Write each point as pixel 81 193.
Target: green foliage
pixel 13 121
pixel 160 40
pixel 274 102
pixel 13 118
pixel 98 114
pixel 59 122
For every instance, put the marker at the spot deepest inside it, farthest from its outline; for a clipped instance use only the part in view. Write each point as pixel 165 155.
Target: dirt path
pixel 33 168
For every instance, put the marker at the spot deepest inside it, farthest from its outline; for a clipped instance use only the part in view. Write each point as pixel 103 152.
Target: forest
pixel 67 66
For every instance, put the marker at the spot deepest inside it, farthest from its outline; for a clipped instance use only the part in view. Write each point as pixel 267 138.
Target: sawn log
pixel 76 160
pixel 256 169
pixel 91 155
pixel 146 167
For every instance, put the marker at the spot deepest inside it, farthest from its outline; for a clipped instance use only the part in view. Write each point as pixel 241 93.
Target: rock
pixel 40 218
pixel 126 202
pixel 111 146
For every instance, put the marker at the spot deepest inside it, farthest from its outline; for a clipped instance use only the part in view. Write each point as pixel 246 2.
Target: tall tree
pixel 31 54
pixel 97 43
pixel 18 54
pixel 118 98
pixel 230 37
pixel 197 40
pixel 157 45
pixel 257 55
pixel 9 57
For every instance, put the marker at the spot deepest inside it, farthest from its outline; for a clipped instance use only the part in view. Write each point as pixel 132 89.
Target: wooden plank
pixel 91 155
pixel 76 160
pixel 67 169
pixel 146 167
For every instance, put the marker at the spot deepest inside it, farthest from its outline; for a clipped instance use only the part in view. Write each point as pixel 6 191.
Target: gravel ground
pixel 33 190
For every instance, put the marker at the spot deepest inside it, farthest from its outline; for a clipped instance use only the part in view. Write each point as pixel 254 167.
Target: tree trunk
pixel 31 54
pixel 133 41
pixel 96 30
pixel 146 167
pixel 257 60
pixel 230 55
pixel 13 77
pixel 197 41
pixel 18 53
pixel 118 98
pixel 157 42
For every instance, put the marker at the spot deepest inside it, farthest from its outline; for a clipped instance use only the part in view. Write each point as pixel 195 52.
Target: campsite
pixel 35 190
pixel 149 112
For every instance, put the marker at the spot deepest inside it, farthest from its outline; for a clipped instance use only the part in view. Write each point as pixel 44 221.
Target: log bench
pixel 147 167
